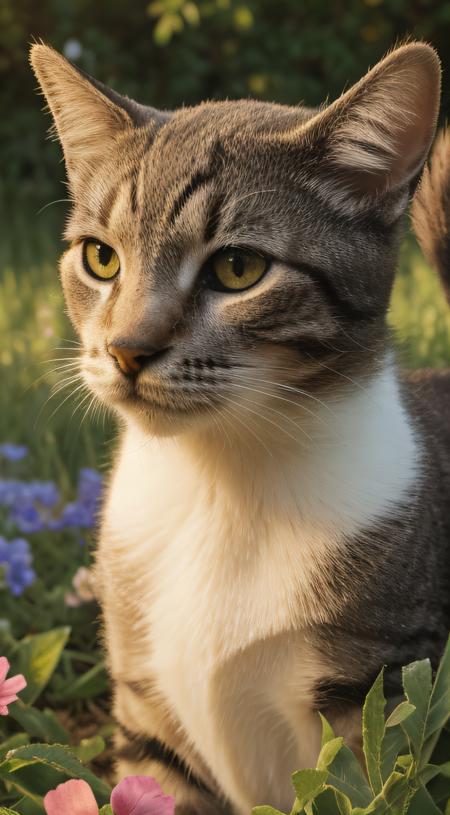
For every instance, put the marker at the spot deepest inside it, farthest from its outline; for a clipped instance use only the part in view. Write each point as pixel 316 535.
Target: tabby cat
pixel 277 524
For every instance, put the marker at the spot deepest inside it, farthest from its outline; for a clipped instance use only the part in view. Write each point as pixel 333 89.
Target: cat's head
pixel 235 257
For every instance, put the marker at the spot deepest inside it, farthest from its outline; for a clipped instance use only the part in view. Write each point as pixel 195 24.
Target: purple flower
pixel 33 504
pixel 13 493
pixel 16 560
pixel 27 518
pixel 13 452
pixel 45 493
pixel 74 514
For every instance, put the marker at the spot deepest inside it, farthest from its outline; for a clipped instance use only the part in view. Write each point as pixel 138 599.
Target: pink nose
pixel 131 360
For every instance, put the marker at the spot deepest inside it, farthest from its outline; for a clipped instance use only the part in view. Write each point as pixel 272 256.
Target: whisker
pixel 301 393
pixel 245 425
pixel 50 204
pixel 240 198
pixel 278 412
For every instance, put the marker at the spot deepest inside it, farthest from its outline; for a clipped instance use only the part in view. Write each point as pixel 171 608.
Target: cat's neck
pixel 344 465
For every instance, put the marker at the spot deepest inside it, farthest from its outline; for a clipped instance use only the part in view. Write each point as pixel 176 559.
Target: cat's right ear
pixel 88 116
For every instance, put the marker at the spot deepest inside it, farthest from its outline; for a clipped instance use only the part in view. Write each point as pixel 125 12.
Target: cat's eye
pixel 234 270
pixel 100 260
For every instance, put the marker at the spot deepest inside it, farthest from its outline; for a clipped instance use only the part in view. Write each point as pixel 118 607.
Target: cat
pixel 277 521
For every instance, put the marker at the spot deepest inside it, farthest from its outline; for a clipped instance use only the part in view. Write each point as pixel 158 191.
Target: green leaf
pixel 329 752
pixel 345 773
pixel 47 762
pixel 88 749
pixel 424 726
pixel 432 770
pixel 37 657
pixel 400 714
pixel 395 742
pixel 423 804
pixel 331 802
pixel 439 708
pixel 27 806
pixel 307 784
pixel 17 740
pixel 373 732
pixel 40 724
pixel 327 730
pixel 106 810
pixel 266 810
pixel 392 799
pixel 417 685
pixel 6 811
pixel 90 684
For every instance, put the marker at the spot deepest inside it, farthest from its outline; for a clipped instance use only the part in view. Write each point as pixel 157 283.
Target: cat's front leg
pixel 165 755
pixel 150 739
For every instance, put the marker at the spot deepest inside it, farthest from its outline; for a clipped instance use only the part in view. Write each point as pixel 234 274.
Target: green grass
pixel 419 312
pixel 33 330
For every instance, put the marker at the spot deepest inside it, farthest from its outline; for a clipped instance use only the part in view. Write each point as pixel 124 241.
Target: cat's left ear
pixel 375 138
pixel 88 115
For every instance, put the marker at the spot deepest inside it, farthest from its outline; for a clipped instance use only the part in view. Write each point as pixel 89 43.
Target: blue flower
pixel 13 452
pixel 13 493
pixel 45 493
pixel 34 505
pixel 16 559
pixel 27 518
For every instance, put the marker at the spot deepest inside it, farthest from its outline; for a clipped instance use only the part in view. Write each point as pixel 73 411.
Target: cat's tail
pixel 431 209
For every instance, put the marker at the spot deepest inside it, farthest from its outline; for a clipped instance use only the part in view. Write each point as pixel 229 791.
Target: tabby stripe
pixel 139 748
pixel 335 297
pixel 198 180
pixel 133 190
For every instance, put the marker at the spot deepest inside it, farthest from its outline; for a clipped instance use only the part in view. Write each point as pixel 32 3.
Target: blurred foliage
pixel 173 52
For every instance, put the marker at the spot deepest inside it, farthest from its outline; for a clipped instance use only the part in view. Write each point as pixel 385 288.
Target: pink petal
pixel 3 710
pixel 7 698
pixel 141 795
pixel 4 668
pixel 74 797
pixel 13 685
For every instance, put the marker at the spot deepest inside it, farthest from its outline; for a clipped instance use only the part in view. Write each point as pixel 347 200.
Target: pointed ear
pixel 87 115
pixel 376 136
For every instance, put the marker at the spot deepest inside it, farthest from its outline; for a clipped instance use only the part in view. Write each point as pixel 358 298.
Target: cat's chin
pixel 161 421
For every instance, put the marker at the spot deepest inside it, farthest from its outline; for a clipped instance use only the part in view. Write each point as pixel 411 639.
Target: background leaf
pixel 373 732
pixel 37 657
pixel 46 763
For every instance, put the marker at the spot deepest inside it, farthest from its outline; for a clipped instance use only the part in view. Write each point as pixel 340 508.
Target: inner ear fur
pixel 377 135
pixel 87 115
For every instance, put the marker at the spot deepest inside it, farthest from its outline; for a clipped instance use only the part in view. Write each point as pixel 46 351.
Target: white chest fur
pixel 223 570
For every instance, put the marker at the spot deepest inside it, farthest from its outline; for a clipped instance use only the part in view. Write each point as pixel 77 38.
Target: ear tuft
pixel 379 133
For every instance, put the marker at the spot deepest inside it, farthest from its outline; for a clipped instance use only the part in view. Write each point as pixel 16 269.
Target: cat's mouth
pixel 151 400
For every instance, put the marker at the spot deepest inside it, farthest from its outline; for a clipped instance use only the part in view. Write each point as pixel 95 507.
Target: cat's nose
pixel 131 359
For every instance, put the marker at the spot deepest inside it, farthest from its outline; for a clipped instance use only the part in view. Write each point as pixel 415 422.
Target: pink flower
pixel 9 688
pixel 140 795
pixel 71 798
pixel 135 795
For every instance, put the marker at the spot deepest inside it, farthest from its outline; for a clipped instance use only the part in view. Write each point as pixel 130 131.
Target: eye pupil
pixel 238 265
pixel 104 253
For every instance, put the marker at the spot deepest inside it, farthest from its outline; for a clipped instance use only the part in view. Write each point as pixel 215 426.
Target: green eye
pixel 234 270
pixel 100 260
